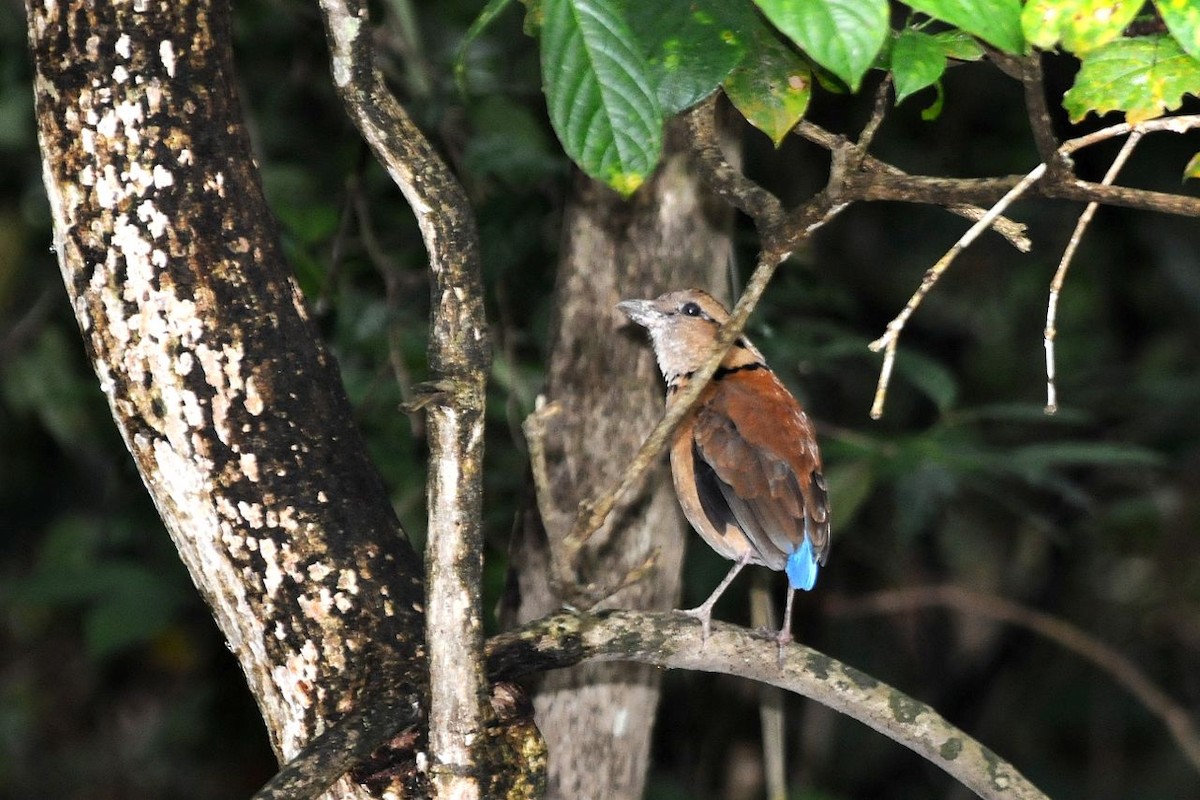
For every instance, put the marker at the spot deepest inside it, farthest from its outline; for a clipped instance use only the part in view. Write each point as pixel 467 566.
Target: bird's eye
pixel 691 309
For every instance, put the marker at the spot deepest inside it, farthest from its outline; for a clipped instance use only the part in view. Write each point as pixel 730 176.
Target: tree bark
pixel 604 395
pixel 234 414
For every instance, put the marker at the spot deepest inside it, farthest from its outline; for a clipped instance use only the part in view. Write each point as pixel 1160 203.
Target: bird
pixel 744 461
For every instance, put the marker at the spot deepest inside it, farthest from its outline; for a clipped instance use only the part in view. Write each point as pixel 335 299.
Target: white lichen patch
pixel 251 513
pixel 296 680
pixel 318 571
pixel 317 605
pixel 348 581
pixel 249 465
pixel 254 401
pixel 124 46
pixel 272 575
pixel 166 54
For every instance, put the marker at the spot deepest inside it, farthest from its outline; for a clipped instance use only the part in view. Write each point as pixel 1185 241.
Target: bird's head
pixel 683 327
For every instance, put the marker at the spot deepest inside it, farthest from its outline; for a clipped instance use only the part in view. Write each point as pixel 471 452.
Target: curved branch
pixel 669 641
pixel 1123 671
pixel 459 355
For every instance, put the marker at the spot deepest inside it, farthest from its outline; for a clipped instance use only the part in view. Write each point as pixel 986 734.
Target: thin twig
pixel 887 342
pixel 878 112
pixel 1109 660
pixel 1060 275
pixel 874 177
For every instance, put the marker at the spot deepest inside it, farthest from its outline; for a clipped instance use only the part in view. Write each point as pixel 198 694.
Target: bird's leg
pixel 703 612
pixel 784 637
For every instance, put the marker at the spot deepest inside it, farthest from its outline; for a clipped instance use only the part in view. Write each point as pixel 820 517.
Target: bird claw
pixel 705 616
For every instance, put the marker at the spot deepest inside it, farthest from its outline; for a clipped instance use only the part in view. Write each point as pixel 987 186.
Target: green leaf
pixel 601 101
pixel 510 143
pixel 841 35
pixel 934 109
pixel 930 377
pixel 1192 170
pixel 492 10
pixel 959 45
pixel 918 61
pixel 997 22
pixel 1143 77
pixel 1183 21
pixel 850 484
pixel 1080 25
pixel 689 45
pixel 1038 457
pixel 772 89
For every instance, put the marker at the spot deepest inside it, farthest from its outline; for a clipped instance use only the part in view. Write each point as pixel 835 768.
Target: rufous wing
pixel 765 467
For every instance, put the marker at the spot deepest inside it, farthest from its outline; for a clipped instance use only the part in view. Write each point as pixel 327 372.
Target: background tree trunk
pixel 604 395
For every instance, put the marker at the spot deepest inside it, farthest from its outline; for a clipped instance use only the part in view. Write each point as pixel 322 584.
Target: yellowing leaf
pixel 1080 25
pixel 1143 77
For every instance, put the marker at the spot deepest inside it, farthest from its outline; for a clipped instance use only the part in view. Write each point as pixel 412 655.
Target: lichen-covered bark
pixel 476 750
pixel 234 414
pixel 605 396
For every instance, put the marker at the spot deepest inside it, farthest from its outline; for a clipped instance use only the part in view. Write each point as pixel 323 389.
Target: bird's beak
pixel 642 312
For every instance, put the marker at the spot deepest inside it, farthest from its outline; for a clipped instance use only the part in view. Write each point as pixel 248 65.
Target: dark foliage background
pixel 114 682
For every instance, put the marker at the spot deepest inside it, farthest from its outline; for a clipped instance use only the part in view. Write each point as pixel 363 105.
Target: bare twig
pixel 1040 123
pixel 878 111
pixel 1060 275
pixel 1106 658
pixel 348 742
pixel 887 342
pixel 878 180
pixel 669 641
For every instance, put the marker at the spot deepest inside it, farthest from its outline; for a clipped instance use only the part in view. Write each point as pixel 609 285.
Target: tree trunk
pixel 235 416
pixel 604 395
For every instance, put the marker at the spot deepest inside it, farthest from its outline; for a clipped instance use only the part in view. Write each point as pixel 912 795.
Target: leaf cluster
pixel 614 70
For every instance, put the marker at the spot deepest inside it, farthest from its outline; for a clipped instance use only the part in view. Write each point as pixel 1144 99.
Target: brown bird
pixel 745 461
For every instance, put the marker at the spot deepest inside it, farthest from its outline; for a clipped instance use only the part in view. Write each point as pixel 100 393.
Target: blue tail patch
pixel 802 567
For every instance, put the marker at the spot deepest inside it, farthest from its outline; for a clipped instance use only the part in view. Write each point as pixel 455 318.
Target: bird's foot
pixel 783 639
pixel 702 612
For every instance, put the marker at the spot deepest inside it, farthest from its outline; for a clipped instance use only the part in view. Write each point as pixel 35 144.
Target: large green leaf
pixel 772 88
pixel 1080 25
pixel 918 61
pixel 1183 21
pixel 690 45
pixel 1144 77
pixel 843 36
pixel 997 22
pixel 598 89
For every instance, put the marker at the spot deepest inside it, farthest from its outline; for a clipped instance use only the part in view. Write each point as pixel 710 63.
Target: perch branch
pixel 668 640
pixel 1060 275
pixel 1109 660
